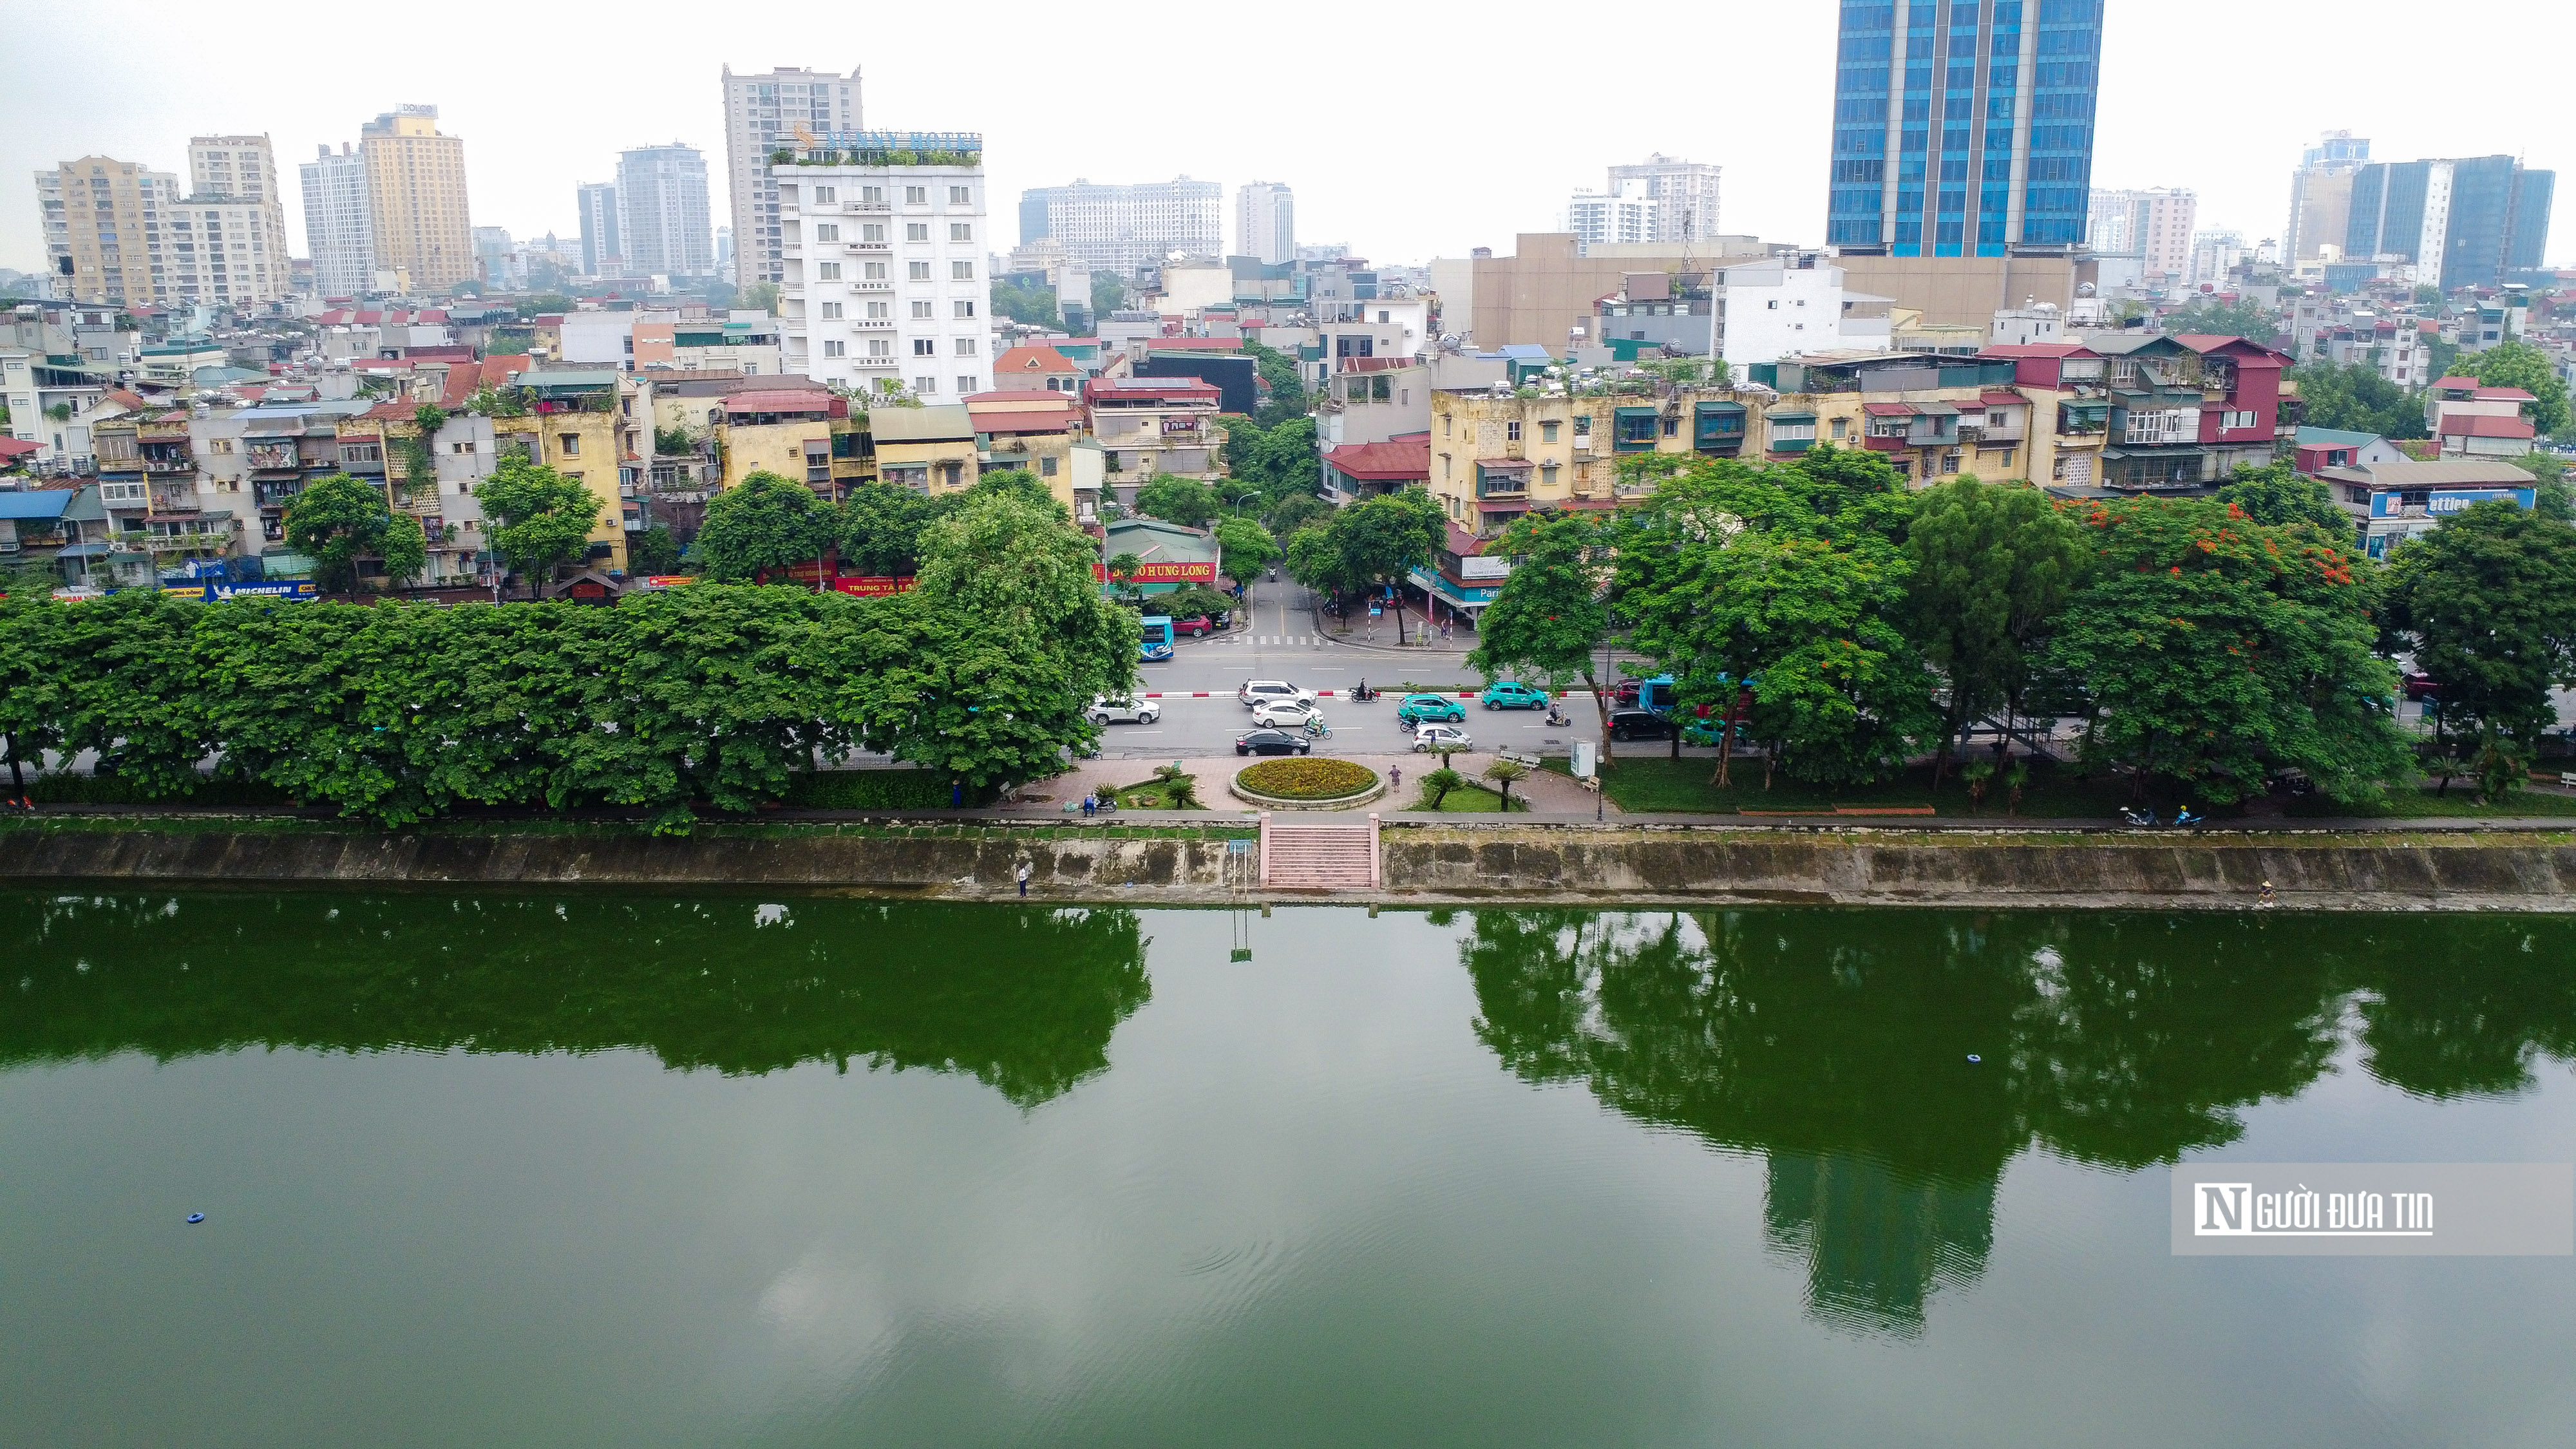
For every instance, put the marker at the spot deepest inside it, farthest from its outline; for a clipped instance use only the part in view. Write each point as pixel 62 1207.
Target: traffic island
pixel 1306 783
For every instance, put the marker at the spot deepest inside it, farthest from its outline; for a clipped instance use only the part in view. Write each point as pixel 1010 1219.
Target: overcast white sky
pixel 1418 139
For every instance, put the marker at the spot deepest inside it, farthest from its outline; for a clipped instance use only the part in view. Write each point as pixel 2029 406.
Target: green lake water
pixel 606 1169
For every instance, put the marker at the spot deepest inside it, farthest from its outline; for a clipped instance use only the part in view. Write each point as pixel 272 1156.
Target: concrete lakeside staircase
pixel 1319 857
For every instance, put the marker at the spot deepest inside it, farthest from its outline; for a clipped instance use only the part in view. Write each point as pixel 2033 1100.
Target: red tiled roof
pixel 1024 420
pixel 1995 397
pixel 1019 394
pixel 780 400
pixel 1393 459
pixel 2038 349
pixel 1033 358
pixel 2211 342
pixel 2463 384
pixel 1888 410
pixel 123 399
pixel 2504 394
pixel 464 381
pixel 17 447
pixel 2469 425
pixel 1461 542
pixel 1375 364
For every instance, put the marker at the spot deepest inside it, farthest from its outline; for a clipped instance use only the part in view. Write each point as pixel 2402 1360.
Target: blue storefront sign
pixel 2444 502
pixel 211 590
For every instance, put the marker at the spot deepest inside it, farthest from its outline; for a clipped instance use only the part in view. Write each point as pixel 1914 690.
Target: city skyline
pixel 1481 197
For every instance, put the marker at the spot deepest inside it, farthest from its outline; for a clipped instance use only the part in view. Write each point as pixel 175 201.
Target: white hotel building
pixel 883 249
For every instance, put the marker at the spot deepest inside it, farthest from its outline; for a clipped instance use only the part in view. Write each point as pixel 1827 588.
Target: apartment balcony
pixel 181 463
pixel 175 500
pixel 1886 443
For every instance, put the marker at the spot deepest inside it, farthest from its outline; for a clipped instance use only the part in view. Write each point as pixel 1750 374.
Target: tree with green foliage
pixel 1192 600
pixel 1175 499
pixel 1378 541
pixel 760 297
pixel 1033 305
pixel 501 402
pixel 1733 578
pixel 765 523
pixel 880 528
pixel 1279 460
pixel 341 520
pixel 985 671
pixel 2215 649
pixel 2487 605
pixel 1294 512
pixel 2281 496
pixel 539 518
pixel 2210 317
pixel 1438 785
pixel 2357 399
pixel 2519 364
pixel 1992 566
pixel 1245 548
pixel 1017 483
pixel 1505 772
pixel 1108 294
pixel 653 551
pixel 1284 382
pixel 1549 617
pixel 2552 497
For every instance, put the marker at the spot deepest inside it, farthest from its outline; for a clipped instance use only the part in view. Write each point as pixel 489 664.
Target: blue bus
pixel 1157 644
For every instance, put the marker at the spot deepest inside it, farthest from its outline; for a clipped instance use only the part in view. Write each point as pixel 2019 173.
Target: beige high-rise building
pixel 226 242
pixel 416 195
pixel 103 238
pixel 2157 224
pixel 763 113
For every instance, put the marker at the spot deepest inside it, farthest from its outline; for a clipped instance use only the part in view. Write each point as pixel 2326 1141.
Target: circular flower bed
pixel 1305 777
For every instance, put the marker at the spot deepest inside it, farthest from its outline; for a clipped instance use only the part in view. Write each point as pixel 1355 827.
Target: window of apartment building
pixel 961 196
pixel 961 271
pixel 873 231
pixel 362 453
pixel 1583 425
pixel 880 347
pixel 881 309
pixel 1950 461
pixel 1547 431
pixel 569 444
pixel 826 231
pixel 1512 431
pixel 825 193
pixel 916 196
pixel 965 307
pixel 965 382
pixel 1841 427
pixel 876 271
pixel 916 231
pixel 921 309
pixel 920 272
pixel 827 271
pixel 1672 427
pixel 831 311
pixel 872 196
pixel 219 445
pixel 1444 424
pixel 1046 467
pixel 961 231
pixel 965 346
pixel 2007 457
pixel 925 347
pixel 832 349
pixel 465 447
pixel 926 386
pixel 1547 474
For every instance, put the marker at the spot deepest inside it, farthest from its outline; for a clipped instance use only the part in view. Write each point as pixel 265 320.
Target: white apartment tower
pixel 1124 228
pixel 103 230
pixel 763 113
pixel 882 284
pixel 226 242
pixel 601 253
pixel 1265 222
pixel 662 221
pixel 339 224
pixel 2156 224
pixel 1683 195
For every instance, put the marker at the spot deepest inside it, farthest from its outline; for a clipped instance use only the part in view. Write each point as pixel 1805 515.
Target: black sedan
pixel 1639 724
pixel 1270 742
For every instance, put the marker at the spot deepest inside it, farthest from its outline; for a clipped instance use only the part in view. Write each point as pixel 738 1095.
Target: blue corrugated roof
pixel 38 503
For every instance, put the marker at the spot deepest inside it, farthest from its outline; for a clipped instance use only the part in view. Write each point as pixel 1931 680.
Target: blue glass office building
pixel 1963 128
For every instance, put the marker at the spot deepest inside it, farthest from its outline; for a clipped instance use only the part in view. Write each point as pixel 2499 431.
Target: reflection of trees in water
pixel 1836 1042
pixel 1022 1000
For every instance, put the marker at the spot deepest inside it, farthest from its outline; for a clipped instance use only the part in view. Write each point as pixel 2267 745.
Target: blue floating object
pixel 1972 1056
pixel 196 1217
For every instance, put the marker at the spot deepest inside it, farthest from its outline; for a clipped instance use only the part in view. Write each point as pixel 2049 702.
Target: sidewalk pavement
pixel 1546 791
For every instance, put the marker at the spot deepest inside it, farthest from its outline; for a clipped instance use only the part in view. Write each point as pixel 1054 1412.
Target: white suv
pixel 1106 711
pixel 1275 691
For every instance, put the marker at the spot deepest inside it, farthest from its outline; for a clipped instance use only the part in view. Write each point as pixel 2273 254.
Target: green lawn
pixel 1664 786
pixel 2424 804
pixel 1468 800
pixel 1156 795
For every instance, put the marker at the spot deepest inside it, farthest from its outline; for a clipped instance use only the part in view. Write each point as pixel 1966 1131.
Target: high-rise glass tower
pixel 1963 127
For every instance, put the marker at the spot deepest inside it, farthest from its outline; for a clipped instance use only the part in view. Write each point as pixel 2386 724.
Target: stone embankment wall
pixel 1616 864
pixel 2393 871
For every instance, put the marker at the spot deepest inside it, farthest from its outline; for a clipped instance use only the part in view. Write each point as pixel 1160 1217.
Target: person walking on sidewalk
pixel 1024 880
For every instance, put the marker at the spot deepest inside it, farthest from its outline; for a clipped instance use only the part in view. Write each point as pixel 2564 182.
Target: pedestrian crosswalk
pixel 1294 641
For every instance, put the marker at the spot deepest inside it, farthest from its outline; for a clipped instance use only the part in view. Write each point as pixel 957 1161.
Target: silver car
pixel 1255 691
pixel 1106 711
pixel 1434 738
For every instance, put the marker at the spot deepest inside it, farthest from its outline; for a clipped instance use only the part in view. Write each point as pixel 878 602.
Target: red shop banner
pixel 872 586
pixel 1165 573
